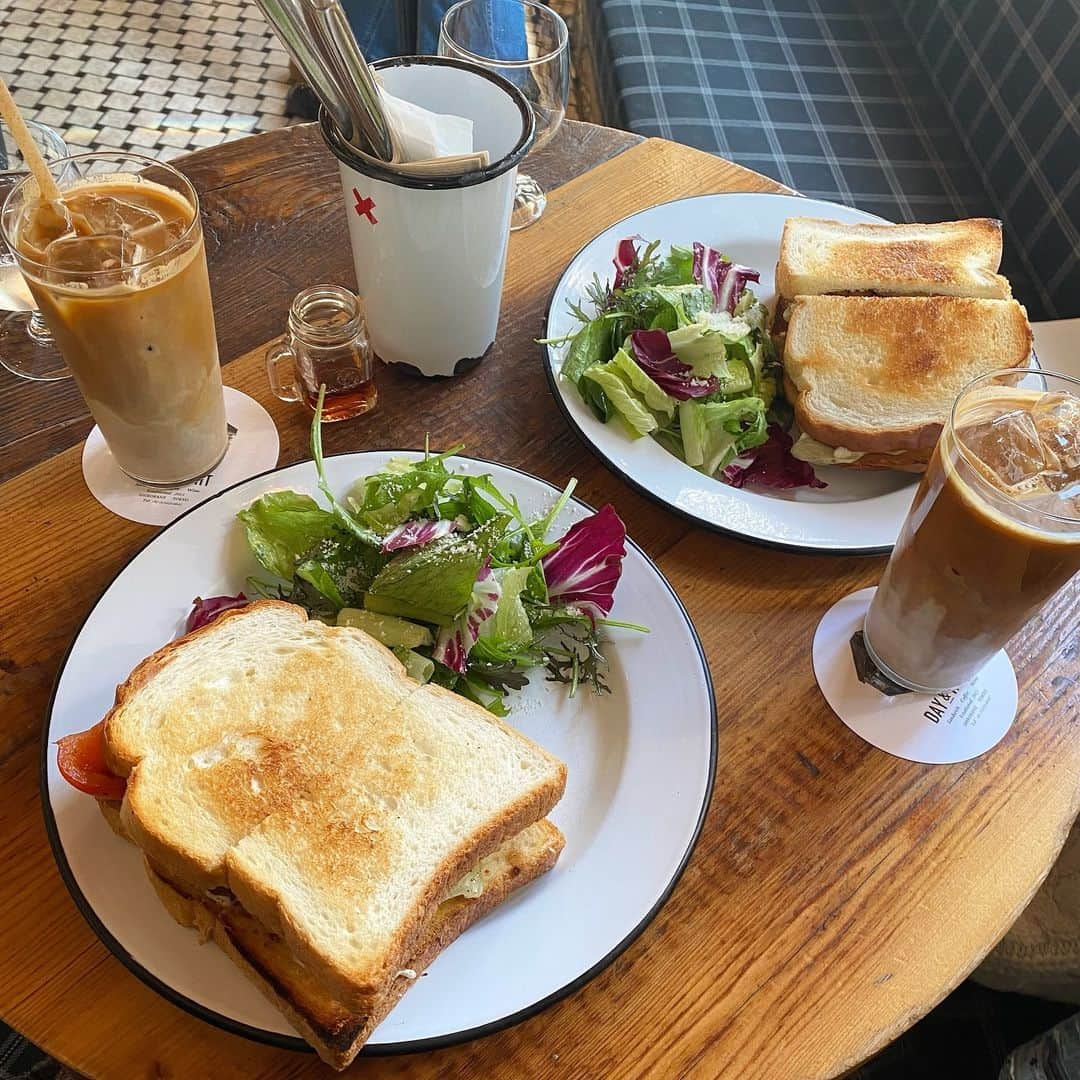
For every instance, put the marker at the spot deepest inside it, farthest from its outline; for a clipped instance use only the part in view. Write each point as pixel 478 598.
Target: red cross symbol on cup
pixel 364 207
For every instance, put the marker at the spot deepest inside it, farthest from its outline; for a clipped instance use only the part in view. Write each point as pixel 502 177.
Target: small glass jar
pixel 326 344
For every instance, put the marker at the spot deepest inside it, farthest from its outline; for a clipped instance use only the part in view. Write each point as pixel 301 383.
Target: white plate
pixel 640 771
pixel 860 512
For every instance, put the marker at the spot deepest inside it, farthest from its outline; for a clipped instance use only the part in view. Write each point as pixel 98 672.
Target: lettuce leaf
pixel 622 398
pixel 455 642
pixel 434 583
pixel 687 303
pixel 714 433
pixel 283 526
pixel 341 569
pixel 637 382
pixel 509 630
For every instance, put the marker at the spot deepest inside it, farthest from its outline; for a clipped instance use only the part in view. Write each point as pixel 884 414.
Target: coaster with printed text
pixel 253 448
pixel 935 729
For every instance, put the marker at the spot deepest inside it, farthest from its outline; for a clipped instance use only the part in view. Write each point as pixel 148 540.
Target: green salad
pixel 677 347
pixel 446 569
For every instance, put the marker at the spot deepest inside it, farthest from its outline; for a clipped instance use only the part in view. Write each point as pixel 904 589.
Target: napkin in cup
pixel 427 143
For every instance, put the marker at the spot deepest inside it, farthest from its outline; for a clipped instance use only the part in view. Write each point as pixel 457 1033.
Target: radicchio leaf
pixel 416 534
pixel 735 285
pixel 726 279
pixel 626 261
pixel 585 568
pixel 454 643
pixel 654 355
pixel 204 612
pixel 772 465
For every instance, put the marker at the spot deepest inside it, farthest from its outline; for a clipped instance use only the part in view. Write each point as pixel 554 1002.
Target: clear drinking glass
pixel 26 346
pixel 993 531
pixel 527 43
pixel 118 271
pixel 326 345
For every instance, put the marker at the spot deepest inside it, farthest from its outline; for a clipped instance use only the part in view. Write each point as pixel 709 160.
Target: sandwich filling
pixel 335 1026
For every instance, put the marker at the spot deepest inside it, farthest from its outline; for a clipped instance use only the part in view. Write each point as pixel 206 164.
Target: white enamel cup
pixel 430 252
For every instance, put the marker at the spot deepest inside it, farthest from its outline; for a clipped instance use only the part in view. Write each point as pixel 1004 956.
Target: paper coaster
pixel 935 729
pixel 253 448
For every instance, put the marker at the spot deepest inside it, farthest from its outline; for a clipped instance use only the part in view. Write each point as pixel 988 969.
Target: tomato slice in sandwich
pixel 81 761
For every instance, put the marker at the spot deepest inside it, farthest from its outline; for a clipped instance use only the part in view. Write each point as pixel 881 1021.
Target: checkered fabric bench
pixel 21 1060
pixel 911 109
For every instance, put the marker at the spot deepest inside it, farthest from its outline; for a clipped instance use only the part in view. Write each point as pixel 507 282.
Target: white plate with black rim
pixel 640 764
pixel 858 512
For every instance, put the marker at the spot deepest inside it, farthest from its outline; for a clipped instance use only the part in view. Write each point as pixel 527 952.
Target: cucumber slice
pixel 388 629
pixel 417 667
pixel 391 605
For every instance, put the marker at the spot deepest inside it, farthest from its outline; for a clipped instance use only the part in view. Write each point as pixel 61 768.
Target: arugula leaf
pixel 316 575
pixel 282 526
pixel 340 512
pixel 542 525
pixel 677 268
pixel 342 568
pixel 590 346
pixel 594 395
pixel 401 492
pixel 485 694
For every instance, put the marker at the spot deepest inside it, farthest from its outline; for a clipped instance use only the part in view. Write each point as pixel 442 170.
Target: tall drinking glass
pixel 118 270
pixel 26 346
pixel 527 43
pixel 992 534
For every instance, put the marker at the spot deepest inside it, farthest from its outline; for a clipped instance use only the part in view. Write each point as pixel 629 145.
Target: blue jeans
pixel 411 27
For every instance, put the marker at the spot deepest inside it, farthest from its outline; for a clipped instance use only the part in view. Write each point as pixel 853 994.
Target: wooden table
pixel 836 894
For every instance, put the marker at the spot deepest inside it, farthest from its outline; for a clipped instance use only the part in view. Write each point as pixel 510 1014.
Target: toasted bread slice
pixel 225 725
pixel 880 374
pixel 297 766
pixel 332 1027
pixel 951 258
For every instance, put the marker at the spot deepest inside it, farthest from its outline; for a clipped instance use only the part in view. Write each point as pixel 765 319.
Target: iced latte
pixel 118 270
pixel 992 534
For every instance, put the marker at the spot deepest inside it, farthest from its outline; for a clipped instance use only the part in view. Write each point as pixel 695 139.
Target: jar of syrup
pixel 326 344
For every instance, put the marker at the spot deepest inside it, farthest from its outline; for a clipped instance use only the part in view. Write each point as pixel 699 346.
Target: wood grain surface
pixel 836 894
pixel 274 217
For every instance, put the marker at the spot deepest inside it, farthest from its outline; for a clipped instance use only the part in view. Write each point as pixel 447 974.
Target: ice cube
pixel 105 255
pixel 1057 420
pixel 97 214
pixel 41 223
pixel 154 239
pixel 1008 446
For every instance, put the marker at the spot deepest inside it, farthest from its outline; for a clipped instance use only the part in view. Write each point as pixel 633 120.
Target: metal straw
pixel 338 45
pixel 287 20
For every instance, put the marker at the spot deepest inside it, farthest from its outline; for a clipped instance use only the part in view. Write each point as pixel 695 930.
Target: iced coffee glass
pixel 992 534
pixel 118 271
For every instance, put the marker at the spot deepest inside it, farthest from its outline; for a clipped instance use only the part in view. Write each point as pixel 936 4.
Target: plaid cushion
pixel 831 97
pixel 1009 75
pixel 22 1060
